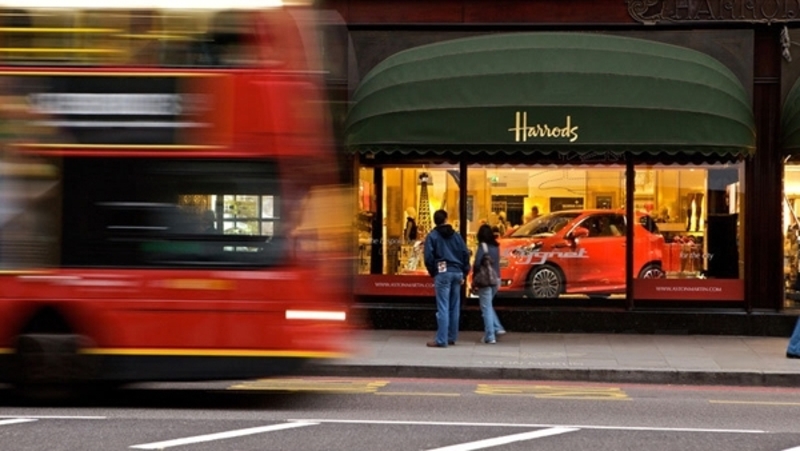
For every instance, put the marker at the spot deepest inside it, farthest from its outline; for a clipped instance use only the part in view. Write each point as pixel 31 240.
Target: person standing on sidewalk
pixel 487 244
pixel 793 349
pixel 447 261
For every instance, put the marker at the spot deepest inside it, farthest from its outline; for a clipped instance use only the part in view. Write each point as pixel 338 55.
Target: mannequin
pixel 410 231
pixel 698 198
pixel 410 234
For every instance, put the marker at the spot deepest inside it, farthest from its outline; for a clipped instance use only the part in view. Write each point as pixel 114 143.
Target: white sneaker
pixel 490 342
pixel 501 332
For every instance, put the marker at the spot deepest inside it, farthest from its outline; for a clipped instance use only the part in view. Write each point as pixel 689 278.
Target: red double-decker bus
pixel 170 207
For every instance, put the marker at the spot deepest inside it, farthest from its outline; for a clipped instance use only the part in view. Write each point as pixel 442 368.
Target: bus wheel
pixel 48 366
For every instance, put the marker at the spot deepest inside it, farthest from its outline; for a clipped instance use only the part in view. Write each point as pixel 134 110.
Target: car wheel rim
pixel 545 284
pixel 653 273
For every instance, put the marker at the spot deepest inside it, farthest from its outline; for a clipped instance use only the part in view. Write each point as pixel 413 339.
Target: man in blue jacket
pixel 447 261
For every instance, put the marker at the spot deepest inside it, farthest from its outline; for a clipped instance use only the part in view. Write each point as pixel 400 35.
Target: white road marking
pixel 54 417
pixel 519 425
pixel 16 421
pixel 223 435
pixel 796 448
pixel 497 441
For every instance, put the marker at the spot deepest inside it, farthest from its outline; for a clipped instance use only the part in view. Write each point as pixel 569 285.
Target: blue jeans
pixel 491 324
pixel 794 341
pixel 448 305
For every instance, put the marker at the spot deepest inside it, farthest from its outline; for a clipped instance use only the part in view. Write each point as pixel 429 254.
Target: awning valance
pixel 551 92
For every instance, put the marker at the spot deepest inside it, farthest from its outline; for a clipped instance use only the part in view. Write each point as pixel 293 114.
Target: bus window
pixel 155 213
pixel 29 213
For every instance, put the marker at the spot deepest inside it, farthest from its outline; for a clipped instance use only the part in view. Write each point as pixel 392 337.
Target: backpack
pixel 485 276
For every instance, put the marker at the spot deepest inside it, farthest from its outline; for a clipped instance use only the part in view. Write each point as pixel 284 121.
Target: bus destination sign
pixel 111 110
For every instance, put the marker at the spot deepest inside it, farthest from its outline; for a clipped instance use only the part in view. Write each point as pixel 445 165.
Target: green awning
pixel 790 121
pixel 551 92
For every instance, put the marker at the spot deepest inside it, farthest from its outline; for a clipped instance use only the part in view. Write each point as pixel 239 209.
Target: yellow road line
pixel 763 403
pixel 554 392
pixel 303 385
pixel 400 393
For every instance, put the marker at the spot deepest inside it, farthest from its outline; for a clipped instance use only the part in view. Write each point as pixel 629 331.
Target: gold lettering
pixel 521 127
pixel 522 131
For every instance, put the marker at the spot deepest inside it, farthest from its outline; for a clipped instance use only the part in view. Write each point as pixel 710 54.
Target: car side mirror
pixel 579 232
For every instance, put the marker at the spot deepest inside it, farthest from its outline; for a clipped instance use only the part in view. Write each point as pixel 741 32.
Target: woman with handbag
pixel 486 280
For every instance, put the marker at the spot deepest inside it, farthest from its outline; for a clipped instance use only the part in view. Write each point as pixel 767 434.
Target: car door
pixel 600 257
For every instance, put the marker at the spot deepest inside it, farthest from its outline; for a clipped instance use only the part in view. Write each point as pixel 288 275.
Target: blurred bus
pixel 171 206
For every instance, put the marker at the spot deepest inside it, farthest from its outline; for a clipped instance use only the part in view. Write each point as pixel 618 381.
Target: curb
pixel 638 376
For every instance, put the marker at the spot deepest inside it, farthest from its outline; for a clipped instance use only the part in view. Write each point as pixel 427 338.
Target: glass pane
pixel 688 232
pixel 365 219
pixel 241 206
pixel 536 210
pixel 241 227
pixel 791 228
pixel 268 228
pixel 30 209
pixel 411 196
pixel 268 207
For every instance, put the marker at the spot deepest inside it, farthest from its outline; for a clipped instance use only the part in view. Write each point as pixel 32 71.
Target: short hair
pixel 535 209
pixel 439 217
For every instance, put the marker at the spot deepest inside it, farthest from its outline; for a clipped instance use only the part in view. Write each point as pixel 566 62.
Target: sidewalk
pixel 664 359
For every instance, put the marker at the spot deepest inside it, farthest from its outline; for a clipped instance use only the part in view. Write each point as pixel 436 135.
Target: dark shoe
pixel 433 344
pixel 451 343
pixel 792 356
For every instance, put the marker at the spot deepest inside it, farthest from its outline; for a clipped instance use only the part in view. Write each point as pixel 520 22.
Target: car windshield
pixel 545 225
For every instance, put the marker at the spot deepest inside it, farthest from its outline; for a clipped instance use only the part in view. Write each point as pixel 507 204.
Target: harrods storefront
pixel 596 131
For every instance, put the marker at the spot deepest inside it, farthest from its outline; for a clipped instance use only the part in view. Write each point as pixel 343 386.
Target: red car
pixel 577 252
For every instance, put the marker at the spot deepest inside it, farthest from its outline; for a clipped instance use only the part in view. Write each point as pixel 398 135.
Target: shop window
pixel 561 241
pixel 690 237
pixel 366 218
pixel 791 229
pixel 410 197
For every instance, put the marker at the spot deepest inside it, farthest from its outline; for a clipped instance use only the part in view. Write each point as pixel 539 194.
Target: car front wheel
pixel 545 282
pixel 652 271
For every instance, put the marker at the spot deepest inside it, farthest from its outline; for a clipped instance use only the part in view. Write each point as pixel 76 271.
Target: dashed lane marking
pixel 552 392
pixel 222 435
pixel 317 386
pixel 535 425
pixel 55 417
pixel 504 440
pixel 16 421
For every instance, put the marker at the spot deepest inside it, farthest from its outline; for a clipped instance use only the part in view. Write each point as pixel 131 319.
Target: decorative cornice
pixel 714 11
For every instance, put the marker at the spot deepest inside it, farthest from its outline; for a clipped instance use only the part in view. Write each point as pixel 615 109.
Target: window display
pixel 564 235
pixel 410 196
pixel 696 210
pixel 791 228
pixel 563 231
